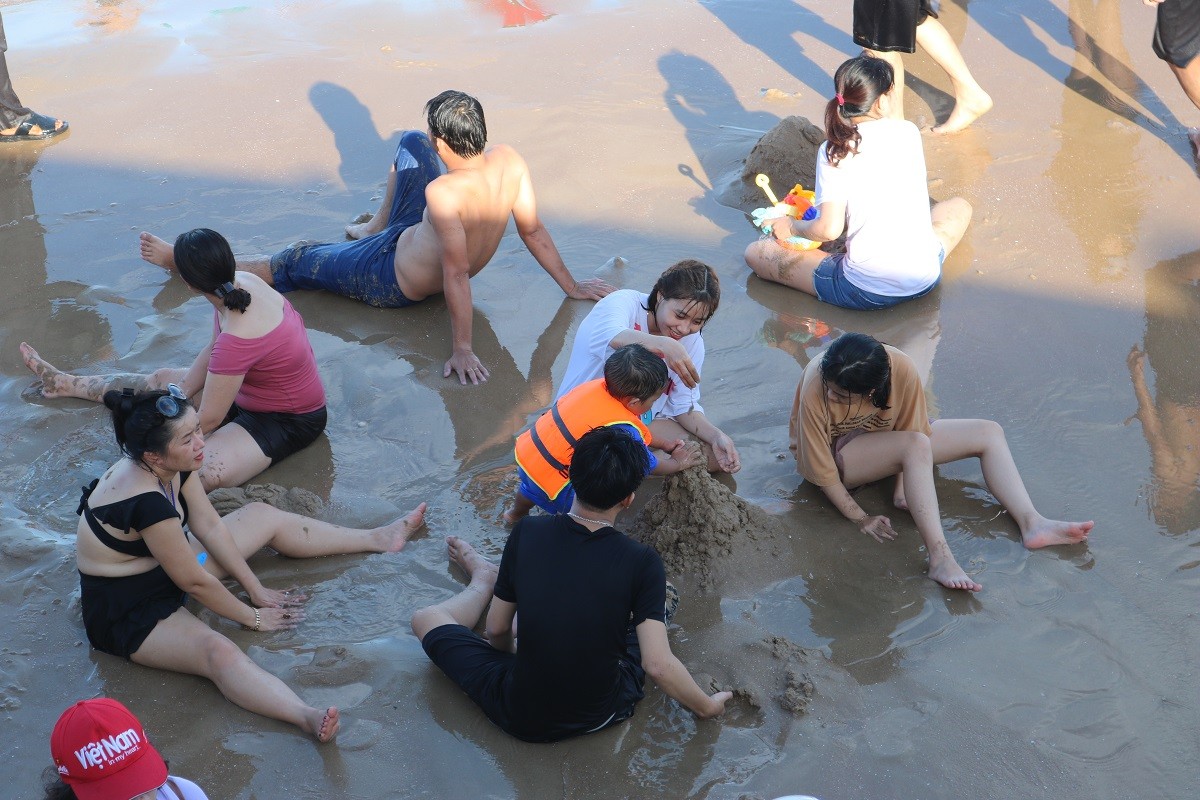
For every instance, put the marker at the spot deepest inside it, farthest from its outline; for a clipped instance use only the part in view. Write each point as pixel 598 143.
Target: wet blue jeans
pixel 365 269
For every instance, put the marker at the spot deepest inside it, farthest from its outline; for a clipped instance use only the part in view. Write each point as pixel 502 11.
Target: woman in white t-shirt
pixel 872 184
pixel 667 322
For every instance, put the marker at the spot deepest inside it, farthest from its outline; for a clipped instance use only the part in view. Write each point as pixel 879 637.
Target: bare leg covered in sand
pixel 466 607
pixel 56 383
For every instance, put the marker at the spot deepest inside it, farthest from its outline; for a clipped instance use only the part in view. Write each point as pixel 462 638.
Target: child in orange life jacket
pixel 633 379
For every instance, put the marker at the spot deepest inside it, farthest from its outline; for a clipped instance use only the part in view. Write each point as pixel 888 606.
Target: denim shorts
pixel 835 288
pixel 365 269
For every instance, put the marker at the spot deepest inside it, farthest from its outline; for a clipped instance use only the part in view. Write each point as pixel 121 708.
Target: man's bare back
pixel 481 197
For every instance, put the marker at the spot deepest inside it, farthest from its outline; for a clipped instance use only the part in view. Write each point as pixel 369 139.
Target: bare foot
pixel 364 225
pixel 324 724
pixel 478 568
pixel 392 538
pixel 1050 532
pixel 514 515
pixel 157 251
pixel 948 573
pixel 46 371
pixel 967 108
pixel 899 500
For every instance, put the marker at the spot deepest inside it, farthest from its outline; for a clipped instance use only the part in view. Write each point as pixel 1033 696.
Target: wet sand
pixel 1073 674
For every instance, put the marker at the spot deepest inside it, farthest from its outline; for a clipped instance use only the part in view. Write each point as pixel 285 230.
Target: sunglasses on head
pixel 171 404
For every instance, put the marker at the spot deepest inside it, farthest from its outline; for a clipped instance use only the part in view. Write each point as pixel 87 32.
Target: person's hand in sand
pixel 466 365
pixel 682 454
pixel 284 599
pixel 878 528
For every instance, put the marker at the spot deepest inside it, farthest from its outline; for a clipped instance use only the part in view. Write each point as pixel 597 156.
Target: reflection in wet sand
pixel 1170 414
pixel 515 13
pixel 1097 161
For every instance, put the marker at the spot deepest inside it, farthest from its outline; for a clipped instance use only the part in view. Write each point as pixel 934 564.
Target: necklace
pixel 601 522
pixel 168 490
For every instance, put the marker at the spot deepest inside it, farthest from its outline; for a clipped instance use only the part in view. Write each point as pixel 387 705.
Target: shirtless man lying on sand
pixel 433 232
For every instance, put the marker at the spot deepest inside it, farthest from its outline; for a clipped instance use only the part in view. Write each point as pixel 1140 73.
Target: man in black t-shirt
pixel 591 604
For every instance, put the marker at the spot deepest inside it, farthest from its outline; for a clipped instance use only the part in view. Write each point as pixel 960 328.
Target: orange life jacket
pixel 544 451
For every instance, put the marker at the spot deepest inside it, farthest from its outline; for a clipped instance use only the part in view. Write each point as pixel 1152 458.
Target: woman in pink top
pixel 263 399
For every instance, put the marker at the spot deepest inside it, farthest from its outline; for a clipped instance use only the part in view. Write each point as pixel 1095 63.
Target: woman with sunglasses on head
pixel 860 416
pixel 262 397
pixel 137 564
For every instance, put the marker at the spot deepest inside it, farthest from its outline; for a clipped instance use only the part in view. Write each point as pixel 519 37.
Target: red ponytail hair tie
pixel 841 101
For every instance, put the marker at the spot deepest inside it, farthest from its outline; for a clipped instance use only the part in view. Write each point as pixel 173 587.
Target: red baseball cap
pixel 102 753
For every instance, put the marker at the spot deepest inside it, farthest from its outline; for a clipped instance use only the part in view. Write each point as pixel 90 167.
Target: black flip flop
pixel 22 133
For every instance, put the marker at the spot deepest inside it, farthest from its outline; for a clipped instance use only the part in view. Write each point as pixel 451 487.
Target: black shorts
pixel 119 613
pixel 279 434
pixel 890 25
pixel 480 670
pixel 1177 33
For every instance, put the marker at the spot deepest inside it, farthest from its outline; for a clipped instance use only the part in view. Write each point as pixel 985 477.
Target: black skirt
pixel 119 613
pixel 890 25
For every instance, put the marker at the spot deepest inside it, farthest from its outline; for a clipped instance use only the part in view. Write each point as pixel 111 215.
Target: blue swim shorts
pixel 534 494
pixel 365 269
pixel 835 288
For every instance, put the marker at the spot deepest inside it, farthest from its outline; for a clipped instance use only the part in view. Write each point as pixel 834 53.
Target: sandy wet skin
pixel 1072 674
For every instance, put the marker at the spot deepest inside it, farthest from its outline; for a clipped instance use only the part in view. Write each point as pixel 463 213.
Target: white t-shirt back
pixel 620 311
pixel 890 245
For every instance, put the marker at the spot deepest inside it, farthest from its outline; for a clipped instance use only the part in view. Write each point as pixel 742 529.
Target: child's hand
pixel 686 455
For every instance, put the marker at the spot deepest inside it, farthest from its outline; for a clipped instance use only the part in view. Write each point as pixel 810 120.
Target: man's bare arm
pixel 535 236
pixel 442 209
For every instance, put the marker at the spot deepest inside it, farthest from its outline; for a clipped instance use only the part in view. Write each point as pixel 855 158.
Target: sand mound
pixel 787 154
pixel 693 523
pixel 297 501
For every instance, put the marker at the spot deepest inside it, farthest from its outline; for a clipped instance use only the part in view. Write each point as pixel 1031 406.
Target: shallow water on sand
pixel 1072 674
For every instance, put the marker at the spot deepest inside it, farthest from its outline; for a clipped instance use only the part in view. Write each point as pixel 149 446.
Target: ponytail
pixel 206 263
pixel 858 83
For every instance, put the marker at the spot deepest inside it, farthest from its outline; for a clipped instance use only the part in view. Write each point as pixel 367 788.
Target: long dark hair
pixel 859 364
pixel 206 263
pixel 690 280
pixel 139 426
pixel 857 84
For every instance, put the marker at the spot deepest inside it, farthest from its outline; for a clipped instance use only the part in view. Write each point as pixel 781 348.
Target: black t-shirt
pixel 576 593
